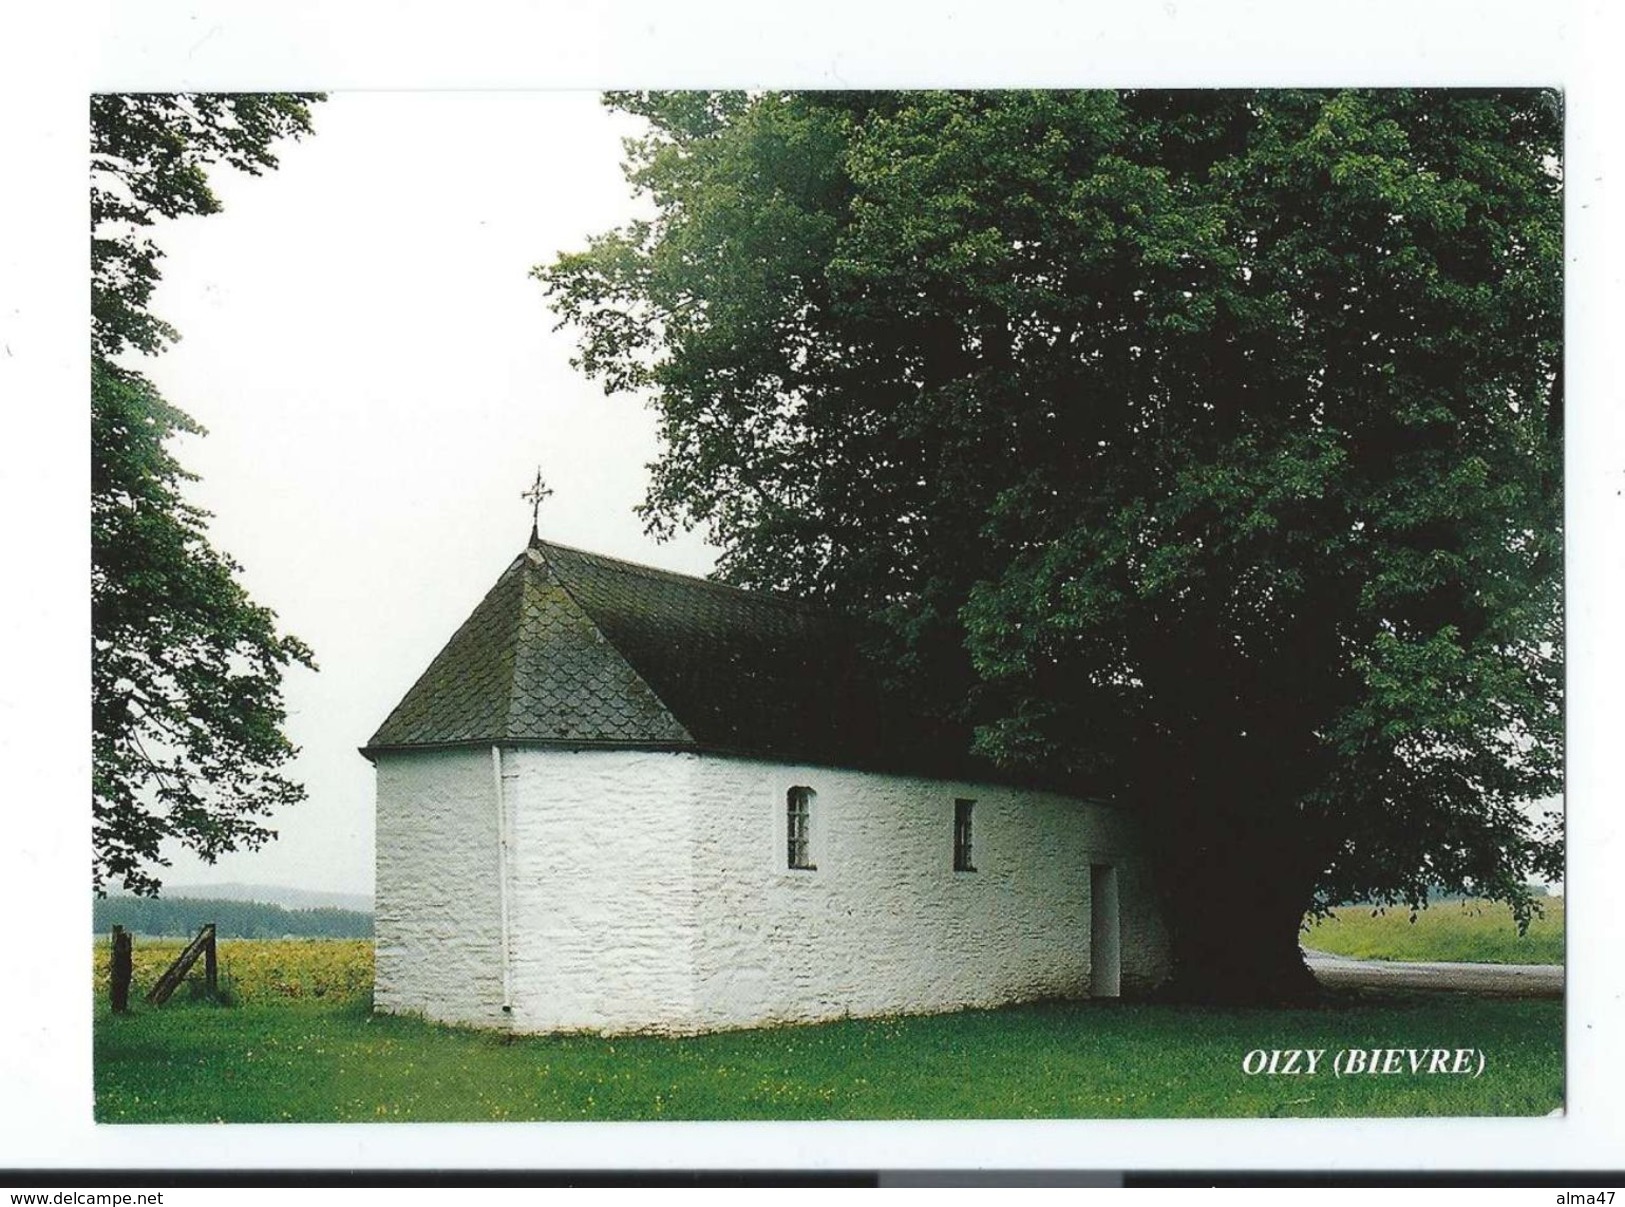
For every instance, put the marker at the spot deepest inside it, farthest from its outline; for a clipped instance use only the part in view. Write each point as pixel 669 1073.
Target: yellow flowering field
pixel 256 970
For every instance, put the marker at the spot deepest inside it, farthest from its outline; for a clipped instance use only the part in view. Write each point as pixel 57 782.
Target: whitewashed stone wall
pixel 649 891
pixel 602 904
pixel 437 917
pixel 884 924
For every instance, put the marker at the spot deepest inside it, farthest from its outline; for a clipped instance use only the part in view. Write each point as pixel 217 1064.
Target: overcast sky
pixel 380 379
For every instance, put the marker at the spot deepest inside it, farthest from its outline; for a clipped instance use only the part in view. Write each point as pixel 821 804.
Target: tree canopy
pixel 1203 447
pixel 186 670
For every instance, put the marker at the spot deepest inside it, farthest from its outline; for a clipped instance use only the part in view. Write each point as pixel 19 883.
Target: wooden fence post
pixel 121 967
pixel 183 963
pixel 211 965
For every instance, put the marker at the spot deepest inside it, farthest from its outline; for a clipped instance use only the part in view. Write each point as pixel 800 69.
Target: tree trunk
pixel 1234 904
pixel 121 970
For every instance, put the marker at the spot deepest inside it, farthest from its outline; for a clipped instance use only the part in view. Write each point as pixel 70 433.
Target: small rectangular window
pixel 962 836
pixel 798 828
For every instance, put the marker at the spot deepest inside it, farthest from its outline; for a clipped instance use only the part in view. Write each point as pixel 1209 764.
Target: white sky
pixel 382 320
pixel 380 379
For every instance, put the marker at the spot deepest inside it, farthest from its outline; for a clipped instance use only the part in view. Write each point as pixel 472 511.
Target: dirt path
pixel 1501 980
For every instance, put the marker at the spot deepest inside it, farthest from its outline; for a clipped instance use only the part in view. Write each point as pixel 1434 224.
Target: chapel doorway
pixel 1105 933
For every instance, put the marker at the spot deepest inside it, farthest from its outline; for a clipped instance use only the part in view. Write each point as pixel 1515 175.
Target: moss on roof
pixel 573 647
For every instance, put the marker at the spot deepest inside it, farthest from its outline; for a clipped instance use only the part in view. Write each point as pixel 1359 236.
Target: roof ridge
pixel 510 704
pixel 519 567
pixel 783 601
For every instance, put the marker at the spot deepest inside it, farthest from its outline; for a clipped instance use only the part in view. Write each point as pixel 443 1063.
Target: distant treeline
pixel 1438 896
pixel 232 919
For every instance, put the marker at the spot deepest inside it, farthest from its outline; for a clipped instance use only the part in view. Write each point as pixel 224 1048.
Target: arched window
pixel 798 827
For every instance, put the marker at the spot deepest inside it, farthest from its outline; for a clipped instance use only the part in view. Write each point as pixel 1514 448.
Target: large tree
pixel 1201 448
pixel 186 670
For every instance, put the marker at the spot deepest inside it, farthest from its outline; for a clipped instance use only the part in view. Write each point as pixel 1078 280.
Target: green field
pixel 293 1054
pixel 255 971
pixel 1473 932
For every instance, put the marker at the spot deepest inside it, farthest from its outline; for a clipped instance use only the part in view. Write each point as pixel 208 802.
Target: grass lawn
pixel 315 1061
pixel 1475 932
pixel 301 1044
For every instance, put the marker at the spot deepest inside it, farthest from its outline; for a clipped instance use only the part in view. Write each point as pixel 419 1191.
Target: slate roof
pixel 576 648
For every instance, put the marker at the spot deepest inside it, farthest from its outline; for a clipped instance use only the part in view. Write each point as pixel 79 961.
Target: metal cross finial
pixel 534 496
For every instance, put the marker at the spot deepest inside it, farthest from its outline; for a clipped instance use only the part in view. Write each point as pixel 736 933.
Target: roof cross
pixel 534 497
